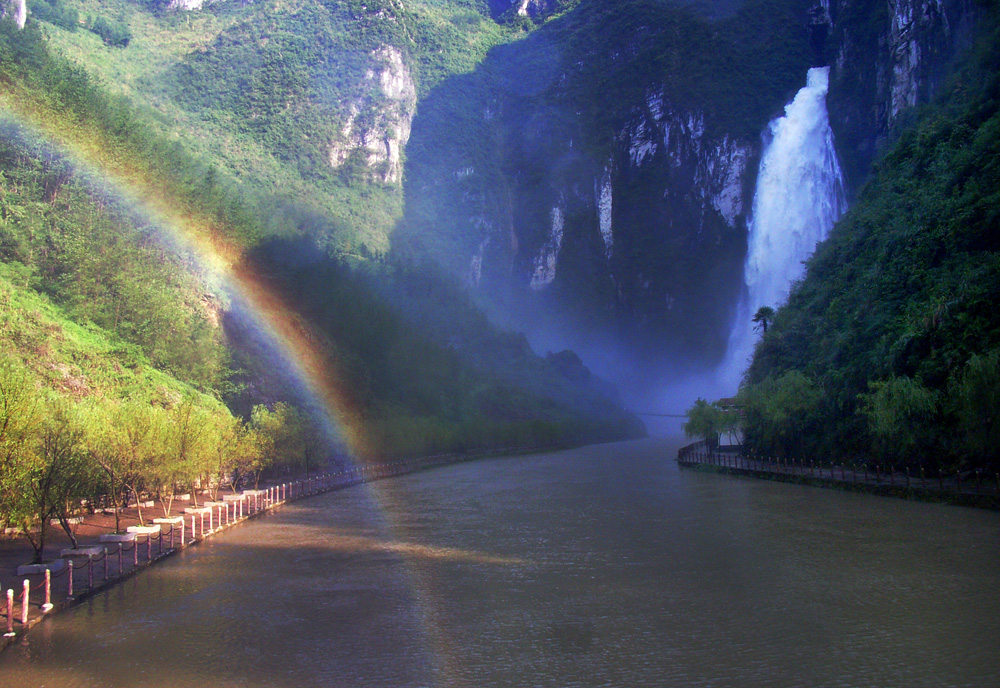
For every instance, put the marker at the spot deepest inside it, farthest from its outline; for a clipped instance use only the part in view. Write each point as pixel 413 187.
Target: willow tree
pixel 706 420
pixel 189 443
pixel 57 476
pixel 233 447
pixel 114 433
pixel 19 418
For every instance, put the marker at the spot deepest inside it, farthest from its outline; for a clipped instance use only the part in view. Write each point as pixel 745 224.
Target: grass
pixel 357 218
pixel 77 361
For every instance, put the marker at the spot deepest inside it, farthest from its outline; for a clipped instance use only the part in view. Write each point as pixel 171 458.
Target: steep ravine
pixel 591 194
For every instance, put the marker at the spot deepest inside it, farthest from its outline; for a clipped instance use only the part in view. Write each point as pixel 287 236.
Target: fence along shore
pixel 974 488
pixel 87 570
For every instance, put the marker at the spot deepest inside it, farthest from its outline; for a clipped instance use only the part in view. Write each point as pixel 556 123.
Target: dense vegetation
pixel 126 368
pixel 265 89
pixel 890 347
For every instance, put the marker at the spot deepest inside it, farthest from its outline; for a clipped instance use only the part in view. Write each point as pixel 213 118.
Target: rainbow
pixel 219 263
pixel 194 239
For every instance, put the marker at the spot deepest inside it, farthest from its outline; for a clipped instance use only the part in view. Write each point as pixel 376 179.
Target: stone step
pixel 88 552
pixel 37 569
pixel 117 537
pixel 169 520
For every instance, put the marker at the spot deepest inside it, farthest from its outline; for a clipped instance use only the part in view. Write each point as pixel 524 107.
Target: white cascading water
pixel 799 196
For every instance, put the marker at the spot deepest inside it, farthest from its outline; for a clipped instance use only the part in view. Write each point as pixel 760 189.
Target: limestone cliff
pixel 635 223
pixel 16 10
pixel 377 125
pixel 887 56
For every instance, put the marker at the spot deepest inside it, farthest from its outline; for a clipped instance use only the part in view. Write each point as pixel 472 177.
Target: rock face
pixel 378 124
pixel 524 8
pixel 186 4
pixel 535 8
pixel 877 74
pixel 17 10
pixel 640 230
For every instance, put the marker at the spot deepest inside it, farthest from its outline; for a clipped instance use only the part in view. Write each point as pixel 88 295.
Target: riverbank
pixel 978 491
pixel 99 563
pixel 72 581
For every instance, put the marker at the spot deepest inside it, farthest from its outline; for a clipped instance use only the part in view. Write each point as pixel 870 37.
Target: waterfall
pixel 799 196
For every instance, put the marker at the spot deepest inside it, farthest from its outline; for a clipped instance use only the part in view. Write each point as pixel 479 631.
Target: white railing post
pixel 47 606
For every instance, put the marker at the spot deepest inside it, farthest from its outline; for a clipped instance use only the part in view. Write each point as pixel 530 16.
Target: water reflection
pixel 605 566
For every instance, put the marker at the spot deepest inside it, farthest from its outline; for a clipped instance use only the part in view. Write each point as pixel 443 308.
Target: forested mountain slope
pixel 593 182
pixel 586 169
pixel 890 347
pixel 173 263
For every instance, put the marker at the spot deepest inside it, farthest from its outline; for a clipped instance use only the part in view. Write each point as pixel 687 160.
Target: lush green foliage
pixel 110 328
pixel 56 13
pixel 709 421
pixel 102 267
pixel 426 370
pixel 266 88
pixel 896 321
pixel 113 33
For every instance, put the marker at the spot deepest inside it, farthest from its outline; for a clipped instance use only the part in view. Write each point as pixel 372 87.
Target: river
pixel 600 566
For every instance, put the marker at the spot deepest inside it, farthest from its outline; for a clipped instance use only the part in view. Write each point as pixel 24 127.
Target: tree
pixel 778 412
pixel 976 393
pixel 114 435
pixel 279 441
pixel 188 442
pixel 19 418
pixel 57 475
pixel 763 317
pixel 901 414
pixel 705 420
pixel 113 33
pixel 229 441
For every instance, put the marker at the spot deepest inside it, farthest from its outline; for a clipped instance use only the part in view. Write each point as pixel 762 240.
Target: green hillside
pixel 81 227
pixel 263 89
pixel 890 347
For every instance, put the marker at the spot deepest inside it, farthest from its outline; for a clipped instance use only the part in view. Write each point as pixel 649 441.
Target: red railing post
pixel 90 573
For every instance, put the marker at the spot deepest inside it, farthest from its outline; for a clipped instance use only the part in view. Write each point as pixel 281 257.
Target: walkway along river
pixel 79 574
pixel 971 488
pixel 599 566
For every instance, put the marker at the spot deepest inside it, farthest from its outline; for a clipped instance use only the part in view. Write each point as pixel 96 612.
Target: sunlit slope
pixel 127 231
pixel 74 360
pixel 267 91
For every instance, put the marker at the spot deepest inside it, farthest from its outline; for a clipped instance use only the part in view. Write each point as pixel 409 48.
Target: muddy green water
pixel 603 566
